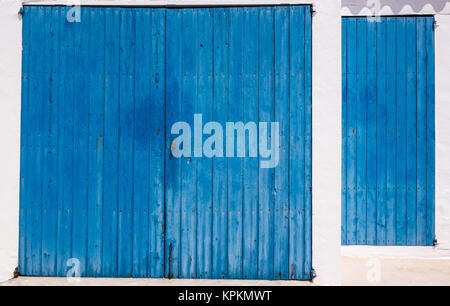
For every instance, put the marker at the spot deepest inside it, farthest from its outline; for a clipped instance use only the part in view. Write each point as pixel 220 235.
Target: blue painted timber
pixel 388 160
pixel 100 188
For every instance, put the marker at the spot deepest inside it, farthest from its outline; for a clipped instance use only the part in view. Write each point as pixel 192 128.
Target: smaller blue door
pixel 388 150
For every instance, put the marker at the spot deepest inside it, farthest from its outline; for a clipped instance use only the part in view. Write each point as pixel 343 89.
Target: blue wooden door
pixel 106 185
pixel 388 144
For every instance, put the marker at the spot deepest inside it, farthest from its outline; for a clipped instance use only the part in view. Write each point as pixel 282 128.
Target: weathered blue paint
pixel 388 131
pixel 250 88
pixel 98 180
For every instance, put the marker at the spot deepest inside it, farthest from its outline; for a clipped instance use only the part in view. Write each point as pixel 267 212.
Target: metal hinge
pixel 16 272
pixel 435 25
pixel 20 13
pixel 435 242
pixel 313 274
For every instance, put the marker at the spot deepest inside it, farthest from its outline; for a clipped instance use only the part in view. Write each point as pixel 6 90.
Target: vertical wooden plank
pixel 430 131
pixel 411 117
pixel 188 165
pixel 351 130
pixel 157 145
pixel 371 221
pixel 235 165
pixel 81 140
pixel 65 168
pixel 36 153
pixel 126 135
pixel 266 110
pixel 96 150
pixel 361 131
pixel 142 143
pixel 391 107
pixel 220 107
pixel 24 145
pixel 251 165
pixel 401 132
pixel 49 161
pixel 55 126
pixel 308 146
pixel 204 165
pixel 29 172
pixel 173 165
pixel 281 196
pixel 344 132
pixel 111 143
pixel 297 144
pixel 381 131
pixel 421 131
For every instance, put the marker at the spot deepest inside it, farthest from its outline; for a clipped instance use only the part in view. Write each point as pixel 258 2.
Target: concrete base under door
pixel 45 281
pixel 362 271
pixel 356 271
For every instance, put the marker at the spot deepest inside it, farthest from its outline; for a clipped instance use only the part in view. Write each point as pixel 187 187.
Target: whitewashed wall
pixel 395 7
pixel 10 79
pixel 326 127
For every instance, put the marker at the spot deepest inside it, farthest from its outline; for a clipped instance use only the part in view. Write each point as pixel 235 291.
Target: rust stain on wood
pixel 170 274
pixel 100 143
pixel 173 146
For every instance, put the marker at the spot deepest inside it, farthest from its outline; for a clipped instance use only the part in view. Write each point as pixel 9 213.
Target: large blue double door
pixel 102 191
pixel 388 132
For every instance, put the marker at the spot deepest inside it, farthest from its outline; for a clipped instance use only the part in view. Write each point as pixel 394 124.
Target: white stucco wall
pixel 395 7
pixel 326 118
pixel 326 127
pixel 10 81
pixel 441 10
pixel 443 133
